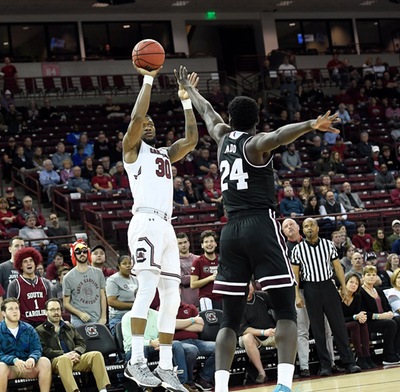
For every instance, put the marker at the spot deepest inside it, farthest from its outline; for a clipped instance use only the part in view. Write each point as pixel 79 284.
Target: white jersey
pixel 150 179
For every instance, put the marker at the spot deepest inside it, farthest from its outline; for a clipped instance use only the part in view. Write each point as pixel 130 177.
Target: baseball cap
pixel 325 151
pixel 7 92
pixel 375 149
pixel 98 247
pixel 370 256
pixel 395 222
pixel 9 189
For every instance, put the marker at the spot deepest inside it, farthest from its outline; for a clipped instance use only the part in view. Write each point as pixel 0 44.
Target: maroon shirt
pixel 186 311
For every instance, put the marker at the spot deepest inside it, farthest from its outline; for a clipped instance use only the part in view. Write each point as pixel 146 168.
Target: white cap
pixel 375 149
pixel 396 222
pixel 7 92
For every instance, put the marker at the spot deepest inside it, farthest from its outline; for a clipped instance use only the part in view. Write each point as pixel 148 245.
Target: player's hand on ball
pixel 144 72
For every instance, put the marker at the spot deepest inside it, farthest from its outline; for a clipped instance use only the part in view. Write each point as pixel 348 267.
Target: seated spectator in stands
pixel 8 220
pixel 49 179
pixel 66 349
pixel 28 149
pixel 306 190
pixel 116 153
pixel 343 114
pixel 38 239
pixel 357 265
pixel 215 176
pixel 384 179
pixel 28 210
pixel 395 193
pixel 23 163
pixel 192 192
pixel 356 321
pixel 291 206
pixel 121 289
pixel 393 294
pixel 56 230
pixel 315 94
pixel 330 206
pixel 38 158
pixel 343 98
pixel 78 183
pixel 20 355
pixel 13 119
pixel 324 166
pixel 355 118
pixel 339 147
pixel 312 207
pixel 379 68
pixel 185 166
pixel 98 256
pixel 392 264
pixel 364 147
pixel 87 145
pixel 362 240
pixel 257 329
pixel 346 240
pixel 66 172
pixel 88 169
pixel 101 181
pixel 346 259
pixel 59 156
pixel 281 191
pixel 383 279
pixel 52 269
pixel 337 70
pixel 102 149
pixel 79 156
pixel 396 247
pixel 49 112
pixel 315 150
pixel 350 200
pixel 204 271
pixel 112 110
pixel 287 70
pixel 120 179
pixel 14 204
pixel 211 195
pixel 188 326
pixel 288 92
pixel 291 158
pixel 340 246
pixel 375 109
pixel 368 70
pixel 381 243
pixel 395 235
pixel 281 120
pixel 73 136
pixel 339 167
pixel 380 317
pixel 179 193
pixel 391 163
pixel 203 162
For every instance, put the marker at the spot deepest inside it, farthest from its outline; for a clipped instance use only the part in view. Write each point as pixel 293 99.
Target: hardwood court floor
pixel 379 380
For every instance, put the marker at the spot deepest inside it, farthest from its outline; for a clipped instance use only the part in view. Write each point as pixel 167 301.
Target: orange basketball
pixel 148 54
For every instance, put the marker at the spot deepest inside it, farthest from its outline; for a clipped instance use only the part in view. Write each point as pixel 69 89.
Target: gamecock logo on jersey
pixel 140 255
pixel 91 331
pixel 211 317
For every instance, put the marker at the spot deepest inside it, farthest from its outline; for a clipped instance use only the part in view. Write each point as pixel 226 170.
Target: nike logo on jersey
pixel 138 173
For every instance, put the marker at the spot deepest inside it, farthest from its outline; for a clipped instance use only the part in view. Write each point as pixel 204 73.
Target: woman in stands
pixel 356 321
pixel 380 317
pixel 381 243
pixel 346 260
pixel 306 190
pixel 66 173
pixel 88 170
pixel 337 161
pixel 192 192
pixel 7 220
pixel 393 294
pixel 121 291
pixel 392 264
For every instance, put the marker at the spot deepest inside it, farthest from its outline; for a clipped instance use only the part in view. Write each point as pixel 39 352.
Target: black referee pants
pixel 322 298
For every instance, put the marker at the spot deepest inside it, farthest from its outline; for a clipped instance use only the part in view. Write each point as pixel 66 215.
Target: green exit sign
pixel 211 15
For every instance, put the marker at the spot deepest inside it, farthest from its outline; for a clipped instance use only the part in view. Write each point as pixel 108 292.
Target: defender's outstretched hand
pixel 144 72
pixel 324 123
pixel 185 80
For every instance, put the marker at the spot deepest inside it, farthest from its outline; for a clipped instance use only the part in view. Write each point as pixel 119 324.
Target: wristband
pixel 187 104
pixel 262 332
pixel 192 320
pixel 355 317
pixel 147 79
pixel 15 360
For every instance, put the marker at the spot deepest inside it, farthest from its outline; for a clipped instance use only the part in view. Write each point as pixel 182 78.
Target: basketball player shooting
pixel 151 238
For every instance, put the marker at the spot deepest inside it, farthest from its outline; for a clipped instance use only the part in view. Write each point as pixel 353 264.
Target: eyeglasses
pixel 79 251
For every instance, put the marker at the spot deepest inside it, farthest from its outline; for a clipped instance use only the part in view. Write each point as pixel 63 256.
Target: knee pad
pixel 169 304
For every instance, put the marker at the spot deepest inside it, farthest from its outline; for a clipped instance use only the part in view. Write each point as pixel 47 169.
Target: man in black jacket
pixel 65 348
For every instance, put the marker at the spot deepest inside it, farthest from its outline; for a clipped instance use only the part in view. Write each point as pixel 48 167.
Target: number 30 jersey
pixel 244 185
pixel 150 179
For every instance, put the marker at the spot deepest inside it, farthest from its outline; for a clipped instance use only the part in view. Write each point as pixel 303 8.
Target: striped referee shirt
pixel 315 260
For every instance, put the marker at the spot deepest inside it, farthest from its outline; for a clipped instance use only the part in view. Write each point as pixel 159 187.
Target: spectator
pixel 59 156
pixel 356 321
pixel 79 157
pixel 392 264
pixel 98 256
pixel 31 290
pixel 381 243
pixel 52 269
pixel 188 295
pixel 288 91
pixel 291 158
pixel 337 70
pixel 211 195
pixel 120 178
pixel 315 94
pixel 339 167
pixel 291 206
pixel 79 184
pixel 384 179
pixel 9 74
pixel 101 182
pixel 179 194
pixel 393 294
pixel 61 273
pixel 38 238
pixel 86 144
pixel 38 158
pixel 10 151
pixel 21 162
pixel 50 112
pixel 185 166
pixel 287 70
pixel 192 192
pixel 89 305
pixel 364 147
pixel 362 240
pixel 20 354
pixel 102 150
pixel 257 329
pixel 391 162
pixel 121 289
pixel 204 271
pixel 56 230
pixel 66 350
pixel 374 161
pixel 116 152
pixel 340 246
pixel 346 260
pixel 324 165
pixel 315 149
pixel 383 279
pixel 357 265
pixel 66 172
pixel 28 147
pixel 7 220
pixel 14 204
pixel 7 270
pixel 49 179
pixel 350 200
pixel 215 176
pixel 203 162
pixel 395 193
pixel 88 169
pixel 396 232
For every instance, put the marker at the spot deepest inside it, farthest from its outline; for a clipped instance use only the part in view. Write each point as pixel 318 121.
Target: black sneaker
pixel 203 384
pixel 371 363
pixel 363 364
pixel 304 373
pixel 391 360
pixel 337 369
pixel 353 368
pixel 325 372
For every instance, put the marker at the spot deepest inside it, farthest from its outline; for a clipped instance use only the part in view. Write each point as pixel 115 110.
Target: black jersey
pixel 244 186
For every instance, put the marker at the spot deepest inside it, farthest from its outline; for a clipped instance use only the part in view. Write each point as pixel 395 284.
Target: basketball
pixel 148 54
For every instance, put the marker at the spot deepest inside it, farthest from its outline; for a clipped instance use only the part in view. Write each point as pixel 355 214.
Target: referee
pixel 314 257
